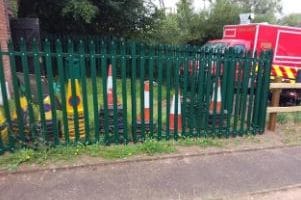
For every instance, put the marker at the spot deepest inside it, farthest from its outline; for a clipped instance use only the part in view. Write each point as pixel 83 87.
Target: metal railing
pixel 118 92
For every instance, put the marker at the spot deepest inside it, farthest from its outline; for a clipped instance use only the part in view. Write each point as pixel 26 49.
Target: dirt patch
pixel 289 133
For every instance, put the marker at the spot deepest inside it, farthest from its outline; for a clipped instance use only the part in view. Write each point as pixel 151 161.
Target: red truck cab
pixel 284 41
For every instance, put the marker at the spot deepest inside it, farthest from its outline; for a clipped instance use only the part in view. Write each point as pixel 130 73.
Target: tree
pixel 222 12
pixel 107 17
pixel 264 10
pixel 188 22
pixel 184 26
pixel 165 31
pixel 293 19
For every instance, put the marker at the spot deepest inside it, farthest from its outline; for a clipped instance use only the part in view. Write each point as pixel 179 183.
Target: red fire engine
pixel 285 42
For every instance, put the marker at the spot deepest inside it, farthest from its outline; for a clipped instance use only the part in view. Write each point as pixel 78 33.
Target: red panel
pixel 289 44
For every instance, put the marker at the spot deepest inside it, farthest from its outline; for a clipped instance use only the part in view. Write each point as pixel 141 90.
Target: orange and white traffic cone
pixel 110 97
pixel 146 102
pixel 172 114
pixel 218 104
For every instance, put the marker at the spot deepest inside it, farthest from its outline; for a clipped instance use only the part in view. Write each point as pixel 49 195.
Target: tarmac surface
pixel 200 177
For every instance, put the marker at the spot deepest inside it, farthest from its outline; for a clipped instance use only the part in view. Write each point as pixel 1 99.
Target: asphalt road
pixel 203 177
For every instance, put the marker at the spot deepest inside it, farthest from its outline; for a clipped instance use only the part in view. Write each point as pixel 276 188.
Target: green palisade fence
pixel 193 92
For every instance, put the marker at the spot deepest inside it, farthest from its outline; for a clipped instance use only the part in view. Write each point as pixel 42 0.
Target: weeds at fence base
pixel 12 161
pixel 150 147
pixel 73 154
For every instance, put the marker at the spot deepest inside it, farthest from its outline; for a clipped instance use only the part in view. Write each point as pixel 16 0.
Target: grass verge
pixel 12 161
pixel 70 155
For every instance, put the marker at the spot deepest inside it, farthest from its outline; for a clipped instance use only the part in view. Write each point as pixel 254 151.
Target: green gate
pixel 121 91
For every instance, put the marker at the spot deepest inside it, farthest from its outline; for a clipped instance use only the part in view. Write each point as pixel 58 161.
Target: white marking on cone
pixel 218 105
pixel 146 102
pixel 110 86
pixel 110 79
pixel 146 95
pixel 172 113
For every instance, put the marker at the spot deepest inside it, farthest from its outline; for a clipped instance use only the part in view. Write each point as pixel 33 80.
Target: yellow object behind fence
pixel 76 100
pixel 72 101
pixel 3 129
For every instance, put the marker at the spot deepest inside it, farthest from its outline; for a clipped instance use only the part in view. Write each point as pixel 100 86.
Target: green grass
pixel 70 154
pixel 12 161
pixel 201 142
pixel 284 118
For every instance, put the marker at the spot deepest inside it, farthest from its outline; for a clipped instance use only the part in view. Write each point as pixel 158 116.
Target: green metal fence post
pixel 62 82
pixel 142 74
pixel 230 89
pixel 18 108
pixel 161 59
pixel 267 57
pixel 133 91
pixel 71 69
pixel 151 90
pixel 28 94
pixel 124 90
pixel 104 91
pixel 6 105
pixel 94 89
pixel 258 97
pixel 168 88
pixel 113 60
pixel 252 92
pixel 243 106
pixel 177 94
pixel 51 90
pixel 84 89
pixel 37 70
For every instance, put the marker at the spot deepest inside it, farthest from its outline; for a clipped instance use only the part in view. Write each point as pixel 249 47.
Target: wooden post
pixel 274 103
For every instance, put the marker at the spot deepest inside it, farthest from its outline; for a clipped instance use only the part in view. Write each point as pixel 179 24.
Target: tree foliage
pixel 264 10
pixel 116 17
pixel 222 12
pixel 291 20
pixel 142 20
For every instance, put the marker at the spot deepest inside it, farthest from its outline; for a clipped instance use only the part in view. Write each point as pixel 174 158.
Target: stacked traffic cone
pixel 75 101
pixel 146 110
pixel 110 111
pixel 172 114
pixel 24 115
pixel 110 97
pixel 146 103
pixel 48 130
pixel 3 129
pixel 218 103
pixel 215 108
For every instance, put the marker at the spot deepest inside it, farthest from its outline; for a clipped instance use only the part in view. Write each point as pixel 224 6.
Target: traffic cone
pixel 218 99
pixel 110 87
pixel 172 114
pixel 75 100
pixel 146 102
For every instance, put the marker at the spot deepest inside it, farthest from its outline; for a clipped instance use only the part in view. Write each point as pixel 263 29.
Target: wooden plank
pixel 274 103
pixel 285 86
pixel 284 109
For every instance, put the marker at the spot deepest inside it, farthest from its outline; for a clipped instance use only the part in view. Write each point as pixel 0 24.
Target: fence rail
pixel 117 92
pixel 274 108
